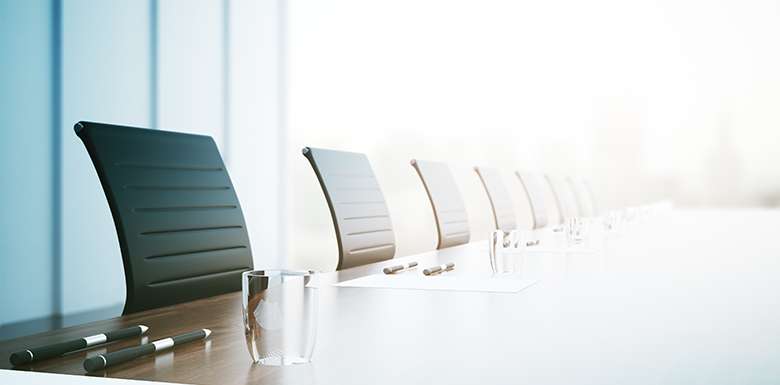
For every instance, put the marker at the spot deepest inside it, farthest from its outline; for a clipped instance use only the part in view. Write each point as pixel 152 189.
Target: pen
pixel 124 355
pixel 435 269
pixel 393 269
pixel 37 354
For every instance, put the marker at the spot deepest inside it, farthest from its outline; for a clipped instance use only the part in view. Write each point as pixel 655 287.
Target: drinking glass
pixel 631 215
pixel 613 221
pixel 280 315
pixel 646 213
pixel 507 251
pixel 576 231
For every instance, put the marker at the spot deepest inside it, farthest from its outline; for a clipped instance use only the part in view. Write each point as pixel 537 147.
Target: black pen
pixel 393 269
pixel 37 354
pixel 436 269
pixel 124 355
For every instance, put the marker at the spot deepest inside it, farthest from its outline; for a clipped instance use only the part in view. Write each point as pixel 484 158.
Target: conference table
pixel 689 297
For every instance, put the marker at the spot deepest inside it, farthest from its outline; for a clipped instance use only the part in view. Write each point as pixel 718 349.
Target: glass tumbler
pixel 613 221
pixel 631 215
pixel 507 251
pixel 577 231
pixel 280 315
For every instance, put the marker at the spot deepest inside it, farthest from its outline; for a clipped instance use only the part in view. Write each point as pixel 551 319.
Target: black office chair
pixel 360 215
pixel 177 216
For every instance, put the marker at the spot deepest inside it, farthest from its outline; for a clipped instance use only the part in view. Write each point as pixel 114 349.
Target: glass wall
pixel 212 67
pixel 650 100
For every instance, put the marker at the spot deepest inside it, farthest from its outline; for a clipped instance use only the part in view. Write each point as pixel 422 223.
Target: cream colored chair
pixel 594 201
pixel 534 194
pixel 559 190
pixel 448 208
pixel 360 215
pixel 503 211
pixel 580 197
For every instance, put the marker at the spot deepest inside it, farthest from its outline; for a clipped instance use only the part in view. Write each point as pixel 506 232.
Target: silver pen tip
pixel 144 328
pixel 208 333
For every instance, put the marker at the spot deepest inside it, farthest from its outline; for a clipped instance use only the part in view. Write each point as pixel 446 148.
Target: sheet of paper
pixel 489 285
pixel 548 249
pixel 563 249
pixel 603 234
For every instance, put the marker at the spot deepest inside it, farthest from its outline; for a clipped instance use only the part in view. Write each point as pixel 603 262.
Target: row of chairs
pixel 182 233
pixel 586 204
pixel 362 220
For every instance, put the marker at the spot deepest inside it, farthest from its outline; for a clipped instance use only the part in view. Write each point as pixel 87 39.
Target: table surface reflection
pixel 690 297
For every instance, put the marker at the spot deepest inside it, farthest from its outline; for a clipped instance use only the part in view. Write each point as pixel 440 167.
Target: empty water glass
pixel 507 250
pixel 280 315
pixel 631 215
pixel 613 221
pixel 576 231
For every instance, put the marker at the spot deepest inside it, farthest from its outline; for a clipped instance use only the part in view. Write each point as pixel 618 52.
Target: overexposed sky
pixel 652 100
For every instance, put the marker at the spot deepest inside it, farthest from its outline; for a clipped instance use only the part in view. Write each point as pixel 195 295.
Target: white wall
pixel 652 100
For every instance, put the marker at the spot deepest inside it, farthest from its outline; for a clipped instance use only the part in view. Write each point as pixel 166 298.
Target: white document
pixel 547 249
pixel 489 285
pixel 562 249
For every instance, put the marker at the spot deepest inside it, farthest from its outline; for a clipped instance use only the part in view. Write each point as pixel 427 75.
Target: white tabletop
pixel 691 298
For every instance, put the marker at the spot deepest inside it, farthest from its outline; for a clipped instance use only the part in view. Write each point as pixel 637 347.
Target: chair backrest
pixel 534 194
pixel 360 215
pixel 559 192
pixel 503 211
pixel 180 227
pixel 594 201
pixel 448 207
pixel 579 196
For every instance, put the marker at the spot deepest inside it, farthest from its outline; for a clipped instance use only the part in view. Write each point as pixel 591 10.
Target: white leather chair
pixel 503 211
pixel 580 198
pixel 594 201
pixel 448 208
pixel 558 187
pixel 360 215
pixel 534 194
